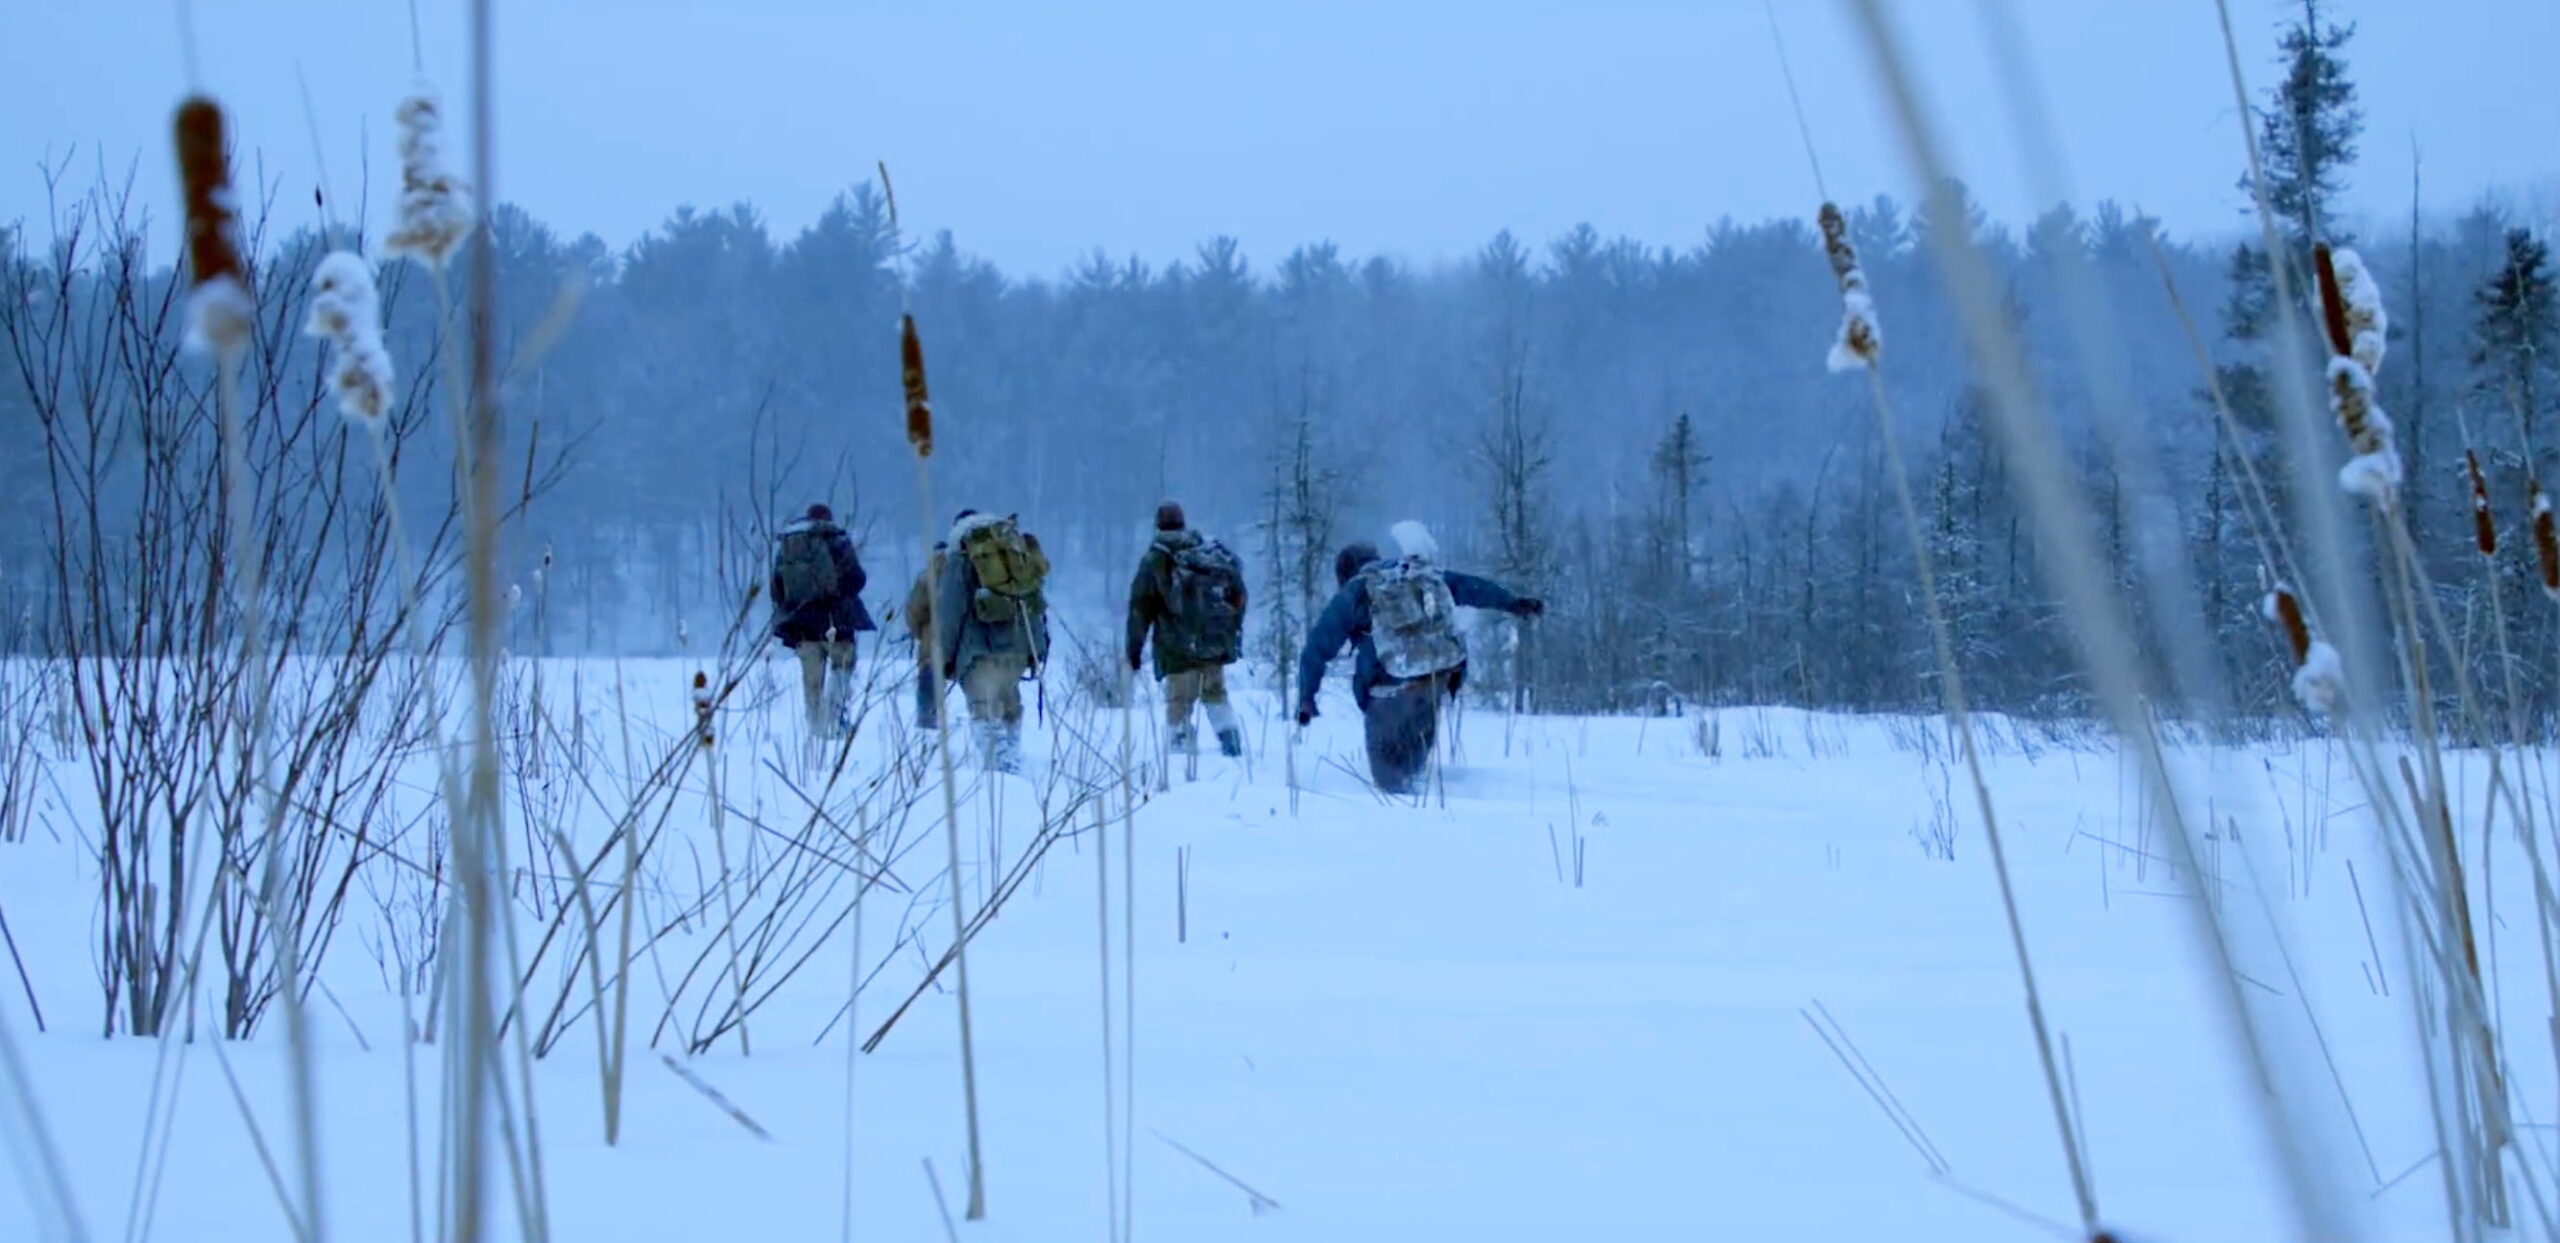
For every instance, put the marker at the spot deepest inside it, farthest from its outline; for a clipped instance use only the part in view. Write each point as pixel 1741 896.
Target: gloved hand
pixel 1528 606
pixel 1134 663
pixel 1306 712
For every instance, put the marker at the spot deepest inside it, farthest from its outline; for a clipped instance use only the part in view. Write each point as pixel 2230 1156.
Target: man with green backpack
pixel 817 610
pixel 992 620
pixel 1190 594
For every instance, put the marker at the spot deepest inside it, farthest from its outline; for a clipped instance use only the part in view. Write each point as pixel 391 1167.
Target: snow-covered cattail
pixel 2285 611
pixel 2484 526
pixel 2368 325
pixel 2319 677
pixel 701 708
pixel 221 316
pixel 1861 342
pixel 347 313
pixel 2546 542
pixel 2374 472
pixel 435 205
pixel 911 377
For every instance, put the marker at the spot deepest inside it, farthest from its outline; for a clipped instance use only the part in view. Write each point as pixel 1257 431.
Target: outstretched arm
pixel 1479 593
pixel 1325 639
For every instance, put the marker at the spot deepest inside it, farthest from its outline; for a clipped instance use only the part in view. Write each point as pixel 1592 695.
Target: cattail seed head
pixel 347 313
pixel 2368 325
pixel 2285 611
pixel 2374 473
pixel 1861 340
pixel 2484 526
pixel 220 313
pixel 701 708
pixel 435 205
pixel 2546 542
pixel 911 377
pixel 2319 677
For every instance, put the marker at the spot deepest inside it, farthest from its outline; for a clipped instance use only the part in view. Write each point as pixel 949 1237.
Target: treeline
pixel 1644 434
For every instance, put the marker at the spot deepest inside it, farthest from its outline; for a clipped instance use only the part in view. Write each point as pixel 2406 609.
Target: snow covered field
pixel 1567 996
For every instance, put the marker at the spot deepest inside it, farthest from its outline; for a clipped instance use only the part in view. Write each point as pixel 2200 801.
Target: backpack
pixel 1010 570
pixel 1413 619
pixel 1202 583
pixel 806 563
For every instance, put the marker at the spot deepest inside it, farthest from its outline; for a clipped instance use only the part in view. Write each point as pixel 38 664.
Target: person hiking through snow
pixel 817 610
pixel 992 619
pixel 919 615
pixel 1189 594
pixel 1400 617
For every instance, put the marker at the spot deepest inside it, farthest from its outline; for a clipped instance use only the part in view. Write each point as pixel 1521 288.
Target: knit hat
pixel 1169 517
pixel 1352 559
pixel 820 513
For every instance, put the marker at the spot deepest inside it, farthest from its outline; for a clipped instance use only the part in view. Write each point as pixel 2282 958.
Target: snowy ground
pixel 1561 998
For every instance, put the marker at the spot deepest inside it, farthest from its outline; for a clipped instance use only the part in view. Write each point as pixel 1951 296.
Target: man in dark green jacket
pixel 1189 594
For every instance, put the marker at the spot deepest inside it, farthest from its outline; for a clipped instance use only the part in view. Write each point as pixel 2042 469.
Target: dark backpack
pixel 1413 619
pixel 806 564
pixel 1202 584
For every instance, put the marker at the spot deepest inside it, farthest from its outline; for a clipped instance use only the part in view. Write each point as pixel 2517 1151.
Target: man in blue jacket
pixel 1398 694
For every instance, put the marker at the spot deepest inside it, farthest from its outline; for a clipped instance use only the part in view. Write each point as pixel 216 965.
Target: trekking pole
pixel 919 414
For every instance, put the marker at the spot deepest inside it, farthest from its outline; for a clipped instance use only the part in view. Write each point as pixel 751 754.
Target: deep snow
pixel 1397 1019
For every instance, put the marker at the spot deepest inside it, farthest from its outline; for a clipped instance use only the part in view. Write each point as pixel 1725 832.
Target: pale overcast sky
pixel 1037 132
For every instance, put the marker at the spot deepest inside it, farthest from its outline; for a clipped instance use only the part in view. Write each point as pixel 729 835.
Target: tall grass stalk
pixel 1959 714
pixel 2100 629
pixel 48 1182
pixel 1110 1079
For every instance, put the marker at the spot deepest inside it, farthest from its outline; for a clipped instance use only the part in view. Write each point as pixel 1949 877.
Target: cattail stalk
pixel 919 422
pixel 222 318
pixel 2102 632
pixel 1861 347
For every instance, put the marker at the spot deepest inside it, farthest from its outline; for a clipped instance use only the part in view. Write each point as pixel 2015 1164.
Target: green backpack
pixel 1010 570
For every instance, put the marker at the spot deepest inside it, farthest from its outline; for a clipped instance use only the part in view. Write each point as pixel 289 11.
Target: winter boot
pixel 1008 752
pixel 839 702
pixel 928 703
pixel 989 736
pixel 1186 739
pixel 1230 737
